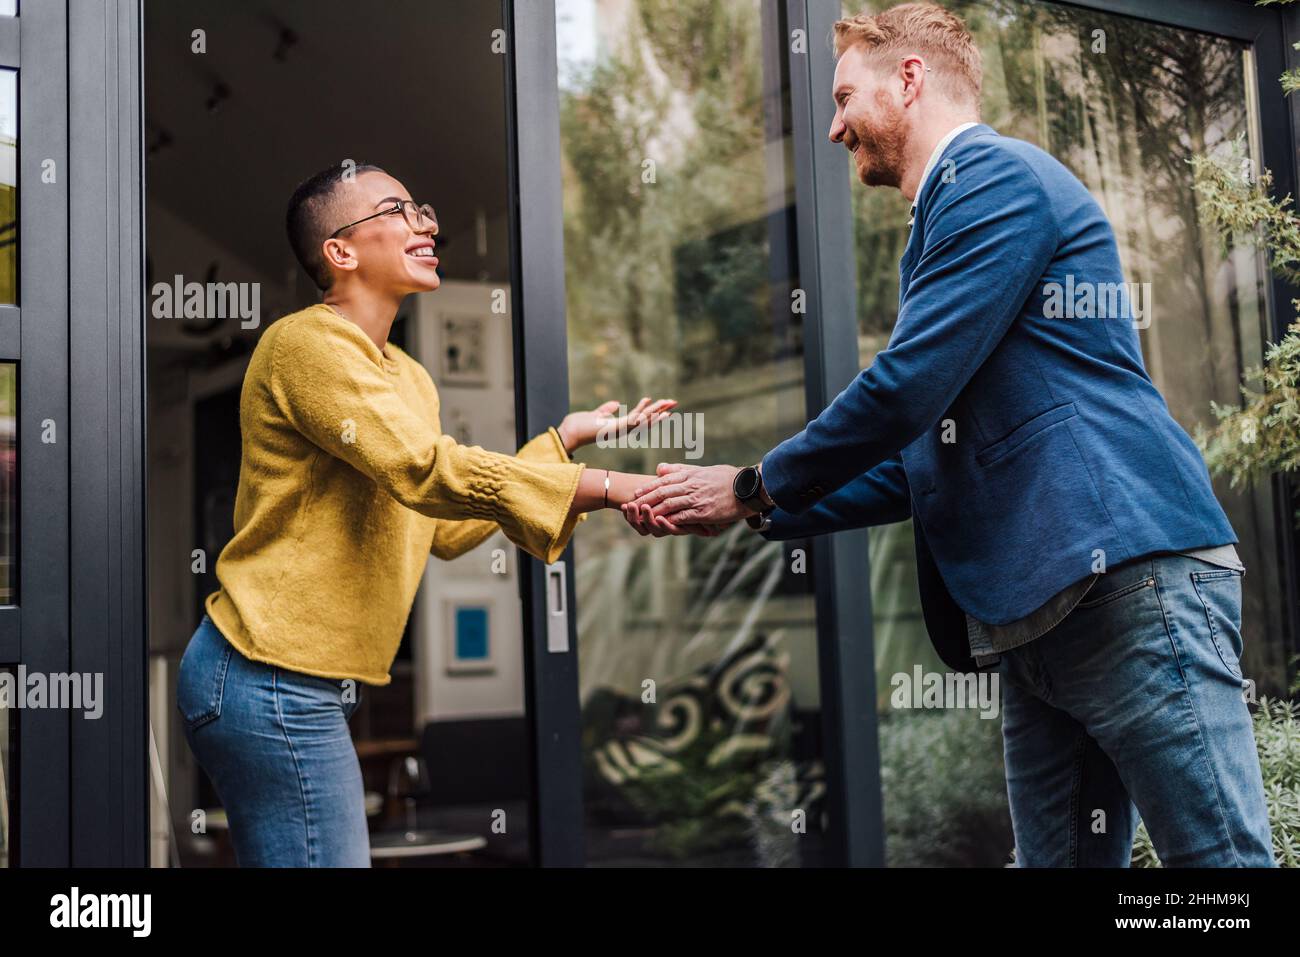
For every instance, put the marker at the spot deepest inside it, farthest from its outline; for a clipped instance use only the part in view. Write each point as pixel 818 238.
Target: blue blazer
pixel 1010 415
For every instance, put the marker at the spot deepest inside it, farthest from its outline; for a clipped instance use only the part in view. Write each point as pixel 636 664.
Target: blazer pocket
pixel 1018 436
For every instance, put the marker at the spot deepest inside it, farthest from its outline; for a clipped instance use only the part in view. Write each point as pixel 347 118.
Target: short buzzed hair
pixel 315 212
pixel 938 35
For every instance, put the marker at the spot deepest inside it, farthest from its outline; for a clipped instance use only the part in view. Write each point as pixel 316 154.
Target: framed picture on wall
pixel 467 623
pixel 464 358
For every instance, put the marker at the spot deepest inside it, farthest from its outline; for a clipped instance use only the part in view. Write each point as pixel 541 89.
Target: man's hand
pixel 686 499
pixel 639 518
pixel 582 428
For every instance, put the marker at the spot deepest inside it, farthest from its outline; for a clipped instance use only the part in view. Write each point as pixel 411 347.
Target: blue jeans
pixel 276 746
pixel 1133 705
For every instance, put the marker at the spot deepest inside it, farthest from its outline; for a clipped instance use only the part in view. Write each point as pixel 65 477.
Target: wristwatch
pixel 748 487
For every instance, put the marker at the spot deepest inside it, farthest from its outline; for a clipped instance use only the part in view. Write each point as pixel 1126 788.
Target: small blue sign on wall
pixel 472 634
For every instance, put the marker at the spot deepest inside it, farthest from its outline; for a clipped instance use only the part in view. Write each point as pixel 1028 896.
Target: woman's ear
pixel 338 255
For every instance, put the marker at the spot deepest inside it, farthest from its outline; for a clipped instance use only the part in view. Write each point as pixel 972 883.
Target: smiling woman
pixel 197 365
pixel 343 454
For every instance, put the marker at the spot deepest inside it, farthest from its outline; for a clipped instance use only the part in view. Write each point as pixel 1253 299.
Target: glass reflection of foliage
pixel 1124 104
pixel 720 290
pixel 1124 117
pixel 8 240
pixel 679 260
pixel 674 185
pixel 8 186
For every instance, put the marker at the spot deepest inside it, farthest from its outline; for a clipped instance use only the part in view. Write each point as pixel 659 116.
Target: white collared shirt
pixel 934 159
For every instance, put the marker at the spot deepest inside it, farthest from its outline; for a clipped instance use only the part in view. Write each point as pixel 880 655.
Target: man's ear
pixel 912 73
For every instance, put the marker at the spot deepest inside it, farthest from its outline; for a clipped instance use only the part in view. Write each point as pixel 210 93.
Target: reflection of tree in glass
pixel 1123 104
pixel 667 279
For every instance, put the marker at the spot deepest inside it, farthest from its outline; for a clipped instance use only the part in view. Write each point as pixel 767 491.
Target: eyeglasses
pixel 419 217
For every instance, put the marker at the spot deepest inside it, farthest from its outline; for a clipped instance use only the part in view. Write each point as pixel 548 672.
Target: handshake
pixel 679 499
pixel 687 500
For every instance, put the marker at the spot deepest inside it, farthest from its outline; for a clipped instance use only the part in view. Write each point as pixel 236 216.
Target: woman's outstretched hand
pixel 582 428
pixel 593 494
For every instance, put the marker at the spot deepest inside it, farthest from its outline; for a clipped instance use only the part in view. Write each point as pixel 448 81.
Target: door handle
pixel 557 608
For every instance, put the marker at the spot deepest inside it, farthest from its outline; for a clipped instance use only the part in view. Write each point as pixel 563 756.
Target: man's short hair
pixel 315 211
pixel 938 35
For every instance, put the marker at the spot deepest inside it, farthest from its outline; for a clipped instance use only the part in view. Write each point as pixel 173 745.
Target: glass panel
pixel 699 679
pixel 8 8
pixel 8 186
pixel 1125 122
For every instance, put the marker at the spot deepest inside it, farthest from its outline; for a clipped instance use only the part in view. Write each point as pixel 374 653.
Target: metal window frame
pixel 106 366
pixel 845 637
pixel 556 816
pixel 34 632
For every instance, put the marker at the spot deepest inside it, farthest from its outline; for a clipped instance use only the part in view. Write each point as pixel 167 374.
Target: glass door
pixel 1124 103
pixel 661 206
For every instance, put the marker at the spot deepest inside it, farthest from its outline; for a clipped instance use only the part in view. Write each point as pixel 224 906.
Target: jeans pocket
pixel 1098 596
pixel 1220 595
pixel 201 678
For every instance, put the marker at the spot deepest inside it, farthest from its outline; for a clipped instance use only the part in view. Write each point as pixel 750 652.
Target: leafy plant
pixel 1291 78
pixel 945 790
pixel 1263 436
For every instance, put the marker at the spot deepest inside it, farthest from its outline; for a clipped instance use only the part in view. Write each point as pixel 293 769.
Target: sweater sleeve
pixel 333 391
pixel 453 539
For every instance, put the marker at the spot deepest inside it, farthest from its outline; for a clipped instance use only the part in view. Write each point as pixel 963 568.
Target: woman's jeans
pixel 1134 705
pixel 276 746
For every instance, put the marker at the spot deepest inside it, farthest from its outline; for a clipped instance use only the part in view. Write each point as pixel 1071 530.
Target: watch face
pixel 746 483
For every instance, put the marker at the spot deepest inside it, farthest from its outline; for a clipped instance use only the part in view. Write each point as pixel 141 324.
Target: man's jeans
pixel 1136 698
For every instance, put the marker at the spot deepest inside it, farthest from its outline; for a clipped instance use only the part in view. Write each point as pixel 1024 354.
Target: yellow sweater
pixel 346 486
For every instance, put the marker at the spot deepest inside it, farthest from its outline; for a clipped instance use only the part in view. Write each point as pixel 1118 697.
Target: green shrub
pixel 945 790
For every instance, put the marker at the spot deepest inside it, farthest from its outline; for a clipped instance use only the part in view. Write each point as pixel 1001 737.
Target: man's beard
pixel 882 144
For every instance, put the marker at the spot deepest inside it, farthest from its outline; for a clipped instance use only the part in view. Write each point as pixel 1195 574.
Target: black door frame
pixel 556 820
pixel 109 756
pixel 34 632
pixel 82 796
